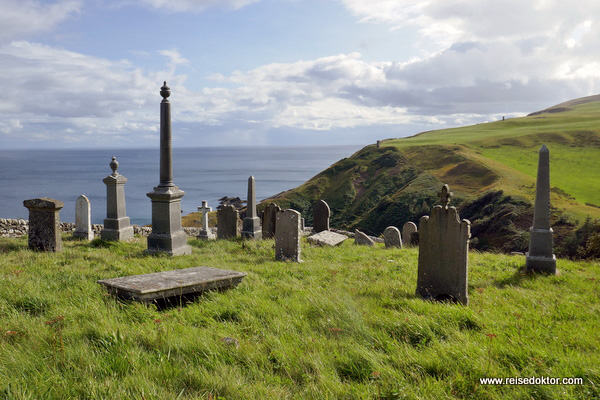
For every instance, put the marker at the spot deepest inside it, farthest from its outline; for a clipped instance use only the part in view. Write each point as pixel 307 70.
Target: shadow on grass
pixel 169 303
pixel 518 278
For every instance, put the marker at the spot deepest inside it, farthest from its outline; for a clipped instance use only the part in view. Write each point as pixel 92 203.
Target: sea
pixel 207 173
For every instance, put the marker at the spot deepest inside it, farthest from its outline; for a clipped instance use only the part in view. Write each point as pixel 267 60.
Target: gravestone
pixel 443 253
pixel 321 214
pixel 44 224
pixel 269 217
pixel 205 233
pixel 83 219
pixel 327 238
pixel 116 224
pixel 251 224
pixel 362 239
pixel 540 257
pixel 165 284
pixel 407 233
pixel 167 234
pixel 227 222
pixel 287 235
pixel 391 237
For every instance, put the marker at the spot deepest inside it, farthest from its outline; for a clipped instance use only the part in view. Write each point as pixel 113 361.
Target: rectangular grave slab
pixel 327 238
pixel 179 282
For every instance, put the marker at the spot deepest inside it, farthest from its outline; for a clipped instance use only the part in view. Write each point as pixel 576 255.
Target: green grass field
pixel 344 324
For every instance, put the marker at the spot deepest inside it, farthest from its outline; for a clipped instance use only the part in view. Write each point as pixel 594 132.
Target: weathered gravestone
pixel 287 235
pixel 116 224
pixel 408 231
pixel 321 214
pixel 179 282
pixel 167 234
pixel 269 217
pixel 391 237
pixel 227 222
pixel 362 239
pixel 83 219
pixel 327 238
pixel 44 224
pixel 251 223
pixel 205 233
pixel 540 257
pixel 443 253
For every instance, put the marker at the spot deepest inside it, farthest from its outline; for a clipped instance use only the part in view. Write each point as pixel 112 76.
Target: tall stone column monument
pixel 540 257
pixel 116 224
pixel 251 224
pixel 167 235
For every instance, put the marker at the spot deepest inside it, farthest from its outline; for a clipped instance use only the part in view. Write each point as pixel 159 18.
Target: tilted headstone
pixel 83 219
pixel 362 239
pixel 116 224
pixel 167 234
pixel 205 233
pixel 251 224
pixel 327 238
pixel 44 224
pixel 269 217
pixel 287 235
pixel 227 222
pixel 408 230
pixel 443 253
pixel 391 237
pixel 321 214
pixel 540 257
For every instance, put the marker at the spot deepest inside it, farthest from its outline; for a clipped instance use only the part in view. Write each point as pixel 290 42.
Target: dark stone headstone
pixel 227 222
pixel 269 217
pixel 321 214
pixel 408 231
pixel 44 224
pixel 391 237
pixel 287 235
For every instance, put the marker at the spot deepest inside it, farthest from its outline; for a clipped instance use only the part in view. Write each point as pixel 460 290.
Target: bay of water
pixel 203 173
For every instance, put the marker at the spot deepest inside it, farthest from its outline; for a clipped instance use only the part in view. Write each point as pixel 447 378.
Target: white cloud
pixel 22 18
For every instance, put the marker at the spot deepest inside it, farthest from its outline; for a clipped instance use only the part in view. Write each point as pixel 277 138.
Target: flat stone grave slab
pixel 327 238
pixel 179 282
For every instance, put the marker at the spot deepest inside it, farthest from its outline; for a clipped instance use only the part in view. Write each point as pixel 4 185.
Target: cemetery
pixel 266 307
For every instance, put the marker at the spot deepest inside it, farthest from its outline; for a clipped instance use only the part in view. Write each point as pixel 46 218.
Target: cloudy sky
pixel 87 74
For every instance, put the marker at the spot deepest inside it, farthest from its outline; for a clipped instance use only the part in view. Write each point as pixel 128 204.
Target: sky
pixel 87 74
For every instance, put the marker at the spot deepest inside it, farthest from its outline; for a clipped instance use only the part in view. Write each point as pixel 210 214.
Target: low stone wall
pixel 14 228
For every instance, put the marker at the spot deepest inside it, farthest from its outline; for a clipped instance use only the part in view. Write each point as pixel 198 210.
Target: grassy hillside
pixel 398 182
pixel 345 324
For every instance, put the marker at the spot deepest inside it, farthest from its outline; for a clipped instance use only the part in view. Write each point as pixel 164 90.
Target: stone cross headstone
pixel 251 224
pixel 227 222
pixel 321 214
pixel 205 233
pixel 443 253
pixel 44 224
pixel 287 235
pixel 167 234
pixel 407 232
pixel 83 219
pixel 116 224
pixel 391 237
pixel 362 239
pixel 540 257
pixel 269 217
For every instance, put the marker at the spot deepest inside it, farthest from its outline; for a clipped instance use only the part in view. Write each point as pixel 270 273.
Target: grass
pixel 344 324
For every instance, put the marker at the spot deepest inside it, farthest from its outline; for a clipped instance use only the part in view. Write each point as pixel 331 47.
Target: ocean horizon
pixel 206 173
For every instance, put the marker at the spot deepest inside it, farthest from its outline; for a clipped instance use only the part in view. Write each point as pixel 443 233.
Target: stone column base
pixel 172 244
pixel 541 264
pixel 206 235
pixel 251 228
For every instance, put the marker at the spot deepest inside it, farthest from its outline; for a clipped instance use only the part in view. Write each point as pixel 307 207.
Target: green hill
pixel 490 167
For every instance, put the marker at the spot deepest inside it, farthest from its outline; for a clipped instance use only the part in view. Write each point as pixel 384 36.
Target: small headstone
pixel 321 214
pixel 179 282
pixel 269 217
pixel 407 232
pixel 378 143
pixel 116 224
pixel 83 219
pixel 362 239
pixel 227 222
pixel 443 253
pixel 205 233
pixel 44 224
pixel 391 237
pixel 287 235
pixel 327 238
pixel 540 257
pixel 251 224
